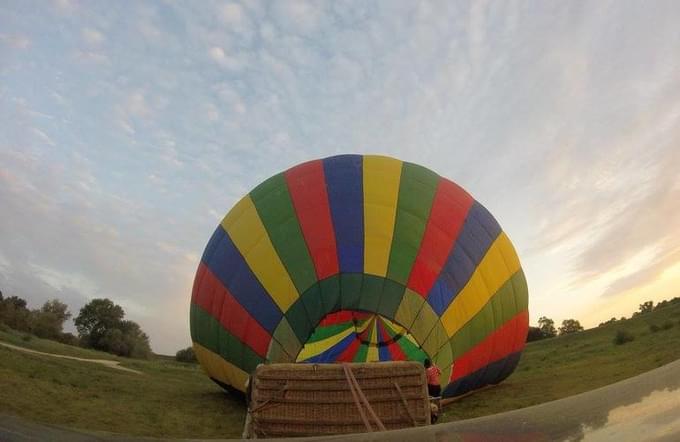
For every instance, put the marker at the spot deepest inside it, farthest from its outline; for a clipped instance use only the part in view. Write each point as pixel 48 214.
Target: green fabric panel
pixel 410 305
pixel 371 291
pixel 424 323
pixel 275 207
pixel 330 294
pixel 205 328
pixel 212 336
pixel 287 338
pixel 444 358
pixel 312 300
pixel 350 290
pixel 392 293
pixel 277 353
pixel 412 352
pixel 299 321
pixel 326 332
pixel 436 339
pixel 416 192
pixel 360 355
pixel 499 310
pixel 194 324
pixel 519 284
pixel 446 373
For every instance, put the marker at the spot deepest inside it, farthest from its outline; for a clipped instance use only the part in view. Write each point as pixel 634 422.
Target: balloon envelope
pixel 360 258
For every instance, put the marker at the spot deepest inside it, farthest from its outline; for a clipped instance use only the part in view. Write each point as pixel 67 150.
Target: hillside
pixel 559 367
pixel 177 400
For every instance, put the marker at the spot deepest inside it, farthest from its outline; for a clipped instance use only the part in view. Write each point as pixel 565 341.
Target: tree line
pixel 546 326
pixel 101 325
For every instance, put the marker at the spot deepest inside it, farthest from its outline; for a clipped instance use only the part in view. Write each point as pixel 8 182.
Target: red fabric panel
pixel 215 299
pixel 336 318
pixel 347 354
pixel 449 209
pixel 307 187
pixel 507 339
pixel 395 350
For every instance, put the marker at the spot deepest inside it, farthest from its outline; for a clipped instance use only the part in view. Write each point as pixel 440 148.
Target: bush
pixel 4 327
pixel 69 339
pixel 26 337
pixel 186 355
pixel 667 325
pixel 622 337
pixel 654 328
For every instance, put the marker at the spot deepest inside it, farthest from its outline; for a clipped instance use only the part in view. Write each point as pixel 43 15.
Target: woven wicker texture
pixel 316 399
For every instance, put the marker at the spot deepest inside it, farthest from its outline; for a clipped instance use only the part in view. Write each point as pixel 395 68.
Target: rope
pixel 348 375
pixel 348 372
pixel 403 401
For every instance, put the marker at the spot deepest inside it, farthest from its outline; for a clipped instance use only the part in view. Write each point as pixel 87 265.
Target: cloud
pixel 93 57
pixel 137 106
pixel 232 14
pixel 92 37
pixel 15 41
pixel 64 6
pixel 225 60
pixel 118 164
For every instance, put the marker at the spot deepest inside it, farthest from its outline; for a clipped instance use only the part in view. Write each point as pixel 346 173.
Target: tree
pixel 547 327
pixel 135 339
pixel 58 309
pixel 534 334
pixel 48 322
pixel 611 321
pixel 645 307
pixel 101 326
pixel 95 319
pixel 570 326
pixel 15 314
pixel 186 355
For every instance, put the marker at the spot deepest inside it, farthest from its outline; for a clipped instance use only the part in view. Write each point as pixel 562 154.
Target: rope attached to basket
pixel 356 391
pixel 403 401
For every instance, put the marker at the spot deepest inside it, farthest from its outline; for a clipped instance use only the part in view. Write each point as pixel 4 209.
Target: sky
pixel 129 129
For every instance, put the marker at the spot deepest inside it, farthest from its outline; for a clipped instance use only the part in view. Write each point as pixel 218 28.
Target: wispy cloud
pixel 125 140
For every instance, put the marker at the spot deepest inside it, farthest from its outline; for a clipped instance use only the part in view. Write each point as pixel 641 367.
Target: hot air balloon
pixel 360 258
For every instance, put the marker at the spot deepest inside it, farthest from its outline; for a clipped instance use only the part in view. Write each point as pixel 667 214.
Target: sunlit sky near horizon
pixel 128 130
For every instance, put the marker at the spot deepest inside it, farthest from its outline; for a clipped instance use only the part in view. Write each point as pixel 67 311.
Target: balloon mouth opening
pixel 359 336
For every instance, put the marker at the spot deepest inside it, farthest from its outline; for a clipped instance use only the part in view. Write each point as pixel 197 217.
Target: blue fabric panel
pixel 491 374
pixel 344 183
pixel 229 266
pixel 214 242
pixel 331 355
pixel 478 233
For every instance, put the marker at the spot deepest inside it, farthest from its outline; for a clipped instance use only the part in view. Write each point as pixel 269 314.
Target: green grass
pixel 170 399
pixel 559 367
pixel 45 345
pixel 177 400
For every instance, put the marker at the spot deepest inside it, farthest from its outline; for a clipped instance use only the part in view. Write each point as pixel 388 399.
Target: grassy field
pixel 559 367
pixel 169 400
pixel 177 400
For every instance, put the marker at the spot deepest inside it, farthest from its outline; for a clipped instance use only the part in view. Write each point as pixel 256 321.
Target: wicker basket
pixel 316 399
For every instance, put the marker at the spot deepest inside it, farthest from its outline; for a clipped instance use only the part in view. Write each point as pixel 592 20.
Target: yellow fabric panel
pixel 285 335
pixel 409 308
pixel 497 266
pixel 245 228
pixel 372 354
pixel 425 324
pixel 314 348
pixel 381 193
pixel 218 368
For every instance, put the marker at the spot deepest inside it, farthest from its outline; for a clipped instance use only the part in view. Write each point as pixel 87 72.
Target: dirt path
pixel 108 363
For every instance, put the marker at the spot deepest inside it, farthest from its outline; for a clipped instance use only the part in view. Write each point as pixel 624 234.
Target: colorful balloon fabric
pixel 360 258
